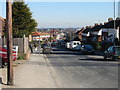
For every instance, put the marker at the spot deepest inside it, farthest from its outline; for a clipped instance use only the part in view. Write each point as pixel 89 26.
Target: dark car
pixel 47 48
pixel 87 49
pixel 113 52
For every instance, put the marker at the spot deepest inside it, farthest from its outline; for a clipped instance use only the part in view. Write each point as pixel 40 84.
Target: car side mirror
pixel 106 51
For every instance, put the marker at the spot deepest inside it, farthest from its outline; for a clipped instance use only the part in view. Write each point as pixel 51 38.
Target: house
pixel 105 32
pixel 86 34
pixel 95 33
pixel 40 36
pixel 2 24
pixel 79 33
pixel 60 36
pixel 109 32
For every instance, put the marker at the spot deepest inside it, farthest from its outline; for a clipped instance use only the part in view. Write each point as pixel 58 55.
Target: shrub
pixel 21 56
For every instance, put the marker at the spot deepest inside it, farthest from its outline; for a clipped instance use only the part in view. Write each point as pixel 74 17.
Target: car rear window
pixel 88 46
pixel 117 50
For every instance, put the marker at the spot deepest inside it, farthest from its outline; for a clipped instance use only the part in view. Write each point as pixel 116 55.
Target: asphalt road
pixel 74 70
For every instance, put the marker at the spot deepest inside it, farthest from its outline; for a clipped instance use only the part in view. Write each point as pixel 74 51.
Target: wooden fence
pixel 22 44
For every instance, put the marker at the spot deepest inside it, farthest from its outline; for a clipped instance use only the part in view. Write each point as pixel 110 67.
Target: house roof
pixel 2 19
pixel 96 28
pixel 86 30
pixel 110 24
pixel 80 31
pixel 39 33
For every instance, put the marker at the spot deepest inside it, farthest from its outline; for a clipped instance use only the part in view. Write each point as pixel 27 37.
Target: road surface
pixel 73 70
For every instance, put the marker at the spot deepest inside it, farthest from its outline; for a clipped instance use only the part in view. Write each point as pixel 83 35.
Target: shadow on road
pixel 94 59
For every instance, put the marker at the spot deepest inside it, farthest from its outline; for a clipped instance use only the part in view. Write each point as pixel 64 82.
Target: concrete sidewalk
pixel 34 73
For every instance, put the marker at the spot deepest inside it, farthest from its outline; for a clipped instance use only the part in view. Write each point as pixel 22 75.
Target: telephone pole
pixel 9 42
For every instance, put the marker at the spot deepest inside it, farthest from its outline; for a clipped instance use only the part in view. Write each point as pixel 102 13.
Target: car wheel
pixel 112 58
pixel 105 57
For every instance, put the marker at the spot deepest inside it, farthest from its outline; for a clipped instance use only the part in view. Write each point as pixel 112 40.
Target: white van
pixel 74 44
pixel 67 45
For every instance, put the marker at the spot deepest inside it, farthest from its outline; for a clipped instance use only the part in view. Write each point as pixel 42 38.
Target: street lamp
pixel 114 22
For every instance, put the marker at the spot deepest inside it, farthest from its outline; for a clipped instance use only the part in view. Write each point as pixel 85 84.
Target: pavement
pixel 33 73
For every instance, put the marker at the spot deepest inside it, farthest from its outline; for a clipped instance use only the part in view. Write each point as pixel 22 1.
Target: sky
pixel 68 14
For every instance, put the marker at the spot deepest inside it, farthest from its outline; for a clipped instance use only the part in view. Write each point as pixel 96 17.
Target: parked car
pixel 3 55
pixel 87 49
pixel 78 48
pixel 113 52
pixel 63 44
pixel 47 48
pixel 74 44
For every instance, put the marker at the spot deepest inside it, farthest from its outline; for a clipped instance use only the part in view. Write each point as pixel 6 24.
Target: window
pixel 74 43
pixel 77 43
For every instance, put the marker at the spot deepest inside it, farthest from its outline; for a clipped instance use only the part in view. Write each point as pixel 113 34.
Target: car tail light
pixel 114 52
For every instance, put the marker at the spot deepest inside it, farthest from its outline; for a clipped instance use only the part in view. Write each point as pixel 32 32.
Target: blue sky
pixel 69 14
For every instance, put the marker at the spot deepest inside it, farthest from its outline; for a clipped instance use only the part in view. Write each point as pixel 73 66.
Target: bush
pixel 98 46
pixel 21 56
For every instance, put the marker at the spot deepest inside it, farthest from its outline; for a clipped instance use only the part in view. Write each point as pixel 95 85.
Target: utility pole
pixel 9 42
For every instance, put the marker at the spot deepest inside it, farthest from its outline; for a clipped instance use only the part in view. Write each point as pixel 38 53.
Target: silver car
pixel 47 48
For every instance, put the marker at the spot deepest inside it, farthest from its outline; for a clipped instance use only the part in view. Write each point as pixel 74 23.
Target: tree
pixel 23 23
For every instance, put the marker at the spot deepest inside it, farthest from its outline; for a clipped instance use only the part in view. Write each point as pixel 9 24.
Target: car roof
pixel 87 44
pixel 115 46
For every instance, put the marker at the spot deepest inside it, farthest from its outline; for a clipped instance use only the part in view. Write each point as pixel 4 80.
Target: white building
pixel 40 36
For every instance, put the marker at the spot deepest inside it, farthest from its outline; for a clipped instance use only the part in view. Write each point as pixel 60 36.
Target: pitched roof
pixel 86 30
pixel 2 19
pixel 39 33
pixel 80 31
pixel 110 24
pixel 96 28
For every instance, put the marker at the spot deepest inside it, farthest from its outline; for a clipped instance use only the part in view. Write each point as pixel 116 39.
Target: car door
pixel 110 51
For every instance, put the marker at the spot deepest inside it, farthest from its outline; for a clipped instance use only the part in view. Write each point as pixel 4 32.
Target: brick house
pixel 86 34
pixel 105 32
pixel 79 33
pixel 2 24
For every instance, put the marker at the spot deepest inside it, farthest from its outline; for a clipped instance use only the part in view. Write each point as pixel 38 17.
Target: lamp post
pixel 114 22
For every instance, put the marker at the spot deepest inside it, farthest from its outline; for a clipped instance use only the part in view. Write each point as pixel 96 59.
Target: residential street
pixel 83 71
pixel 65 69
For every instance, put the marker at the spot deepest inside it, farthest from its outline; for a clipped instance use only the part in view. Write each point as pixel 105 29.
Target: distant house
pixel 101 32
pixel 95 33
pixel 2 24
pixel 60 36
pixel 109 32
pixel 86 34
pixel 40 36
pixel 79 33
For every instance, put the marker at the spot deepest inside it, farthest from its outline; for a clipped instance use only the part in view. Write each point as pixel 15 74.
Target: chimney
pixel 110 19
pixel 88 26
pixel 105 23
pixel 96 24
pixel 101 24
